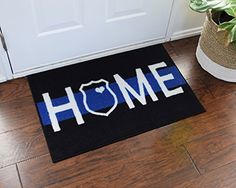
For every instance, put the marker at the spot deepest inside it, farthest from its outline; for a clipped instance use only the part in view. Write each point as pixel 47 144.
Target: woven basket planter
pixel 214 54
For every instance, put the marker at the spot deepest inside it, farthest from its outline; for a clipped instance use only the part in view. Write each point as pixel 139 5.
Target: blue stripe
pixel 104 101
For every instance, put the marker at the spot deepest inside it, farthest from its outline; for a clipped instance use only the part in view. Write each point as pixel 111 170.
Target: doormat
pixel 86 106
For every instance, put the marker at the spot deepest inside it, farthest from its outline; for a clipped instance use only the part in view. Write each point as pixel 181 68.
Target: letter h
pixel 53 110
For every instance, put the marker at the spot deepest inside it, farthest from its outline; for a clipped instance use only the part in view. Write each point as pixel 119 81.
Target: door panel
pixel 43 32
pixel 50 19
pixel 124 9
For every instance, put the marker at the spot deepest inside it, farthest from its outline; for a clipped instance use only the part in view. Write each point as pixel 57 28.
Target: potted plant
pixel 216 51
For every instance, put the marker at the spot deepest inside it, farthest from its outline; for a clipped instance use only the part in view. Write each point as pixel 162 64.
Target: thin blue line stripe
pixel 104 101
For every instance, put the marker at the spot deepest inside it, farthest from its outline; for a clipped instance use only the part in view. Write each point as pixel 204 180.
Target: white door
pixel 44 32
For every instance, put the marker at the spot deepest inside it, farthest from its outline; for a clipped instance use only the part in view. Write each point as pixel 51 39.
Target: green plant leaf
pixel 230 26
pixel 232 10
pixel 206 5
pixel 229 6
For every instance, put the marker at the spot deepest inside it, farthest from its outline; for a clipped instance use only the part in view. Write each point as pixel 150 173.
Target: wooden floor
pixel 196 152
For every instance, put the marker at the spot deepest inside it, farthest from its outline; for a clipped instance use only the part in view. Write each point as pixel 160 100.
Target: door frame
pixel 173 35
pixel 5 65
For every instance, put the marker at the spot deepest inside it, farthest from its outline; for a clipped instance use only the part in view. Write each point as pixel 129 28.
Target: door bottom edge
pixel 96 55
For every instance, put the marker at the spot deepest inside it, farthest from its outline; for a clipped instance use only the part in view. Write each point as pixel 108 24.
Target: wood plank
pixel 17 113
pixel 204 96
pixel 9 177
pixel 170 49
pixel 41 172
pixel 214 150
pixel 22 144
pixel 189 67
pixel 183 47
pixel 163 164
pixel 223 177
pixel 197 83
pixel 201 90
pixel 218 87
pixel 183 54
pixel 186 47
pixel 14 89
pixel 218 116
pixel 141 175
pixel 128 163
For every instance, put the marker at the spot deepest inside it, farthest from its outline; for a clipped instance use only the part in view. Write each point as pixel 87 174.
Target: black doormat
pixel 95 103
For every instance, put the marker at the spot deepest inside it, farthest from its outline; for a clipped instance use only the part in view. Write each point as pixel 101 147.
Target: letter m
pixel 140 95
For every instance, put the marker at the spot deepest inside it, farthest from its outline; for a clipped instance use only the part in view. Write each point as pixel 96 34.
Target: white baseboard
pixel 87 58
pixel 186 33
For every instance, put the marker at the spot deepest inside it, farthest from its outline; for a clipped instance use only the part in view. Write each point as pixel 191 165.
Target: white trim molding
pixel 184 22
pixel 186 33
pixel 5 73
pixel 215 69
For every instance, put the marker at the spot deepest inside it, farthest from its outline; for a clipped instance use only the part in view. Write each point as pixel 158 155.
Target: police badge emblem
pixel 98 95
